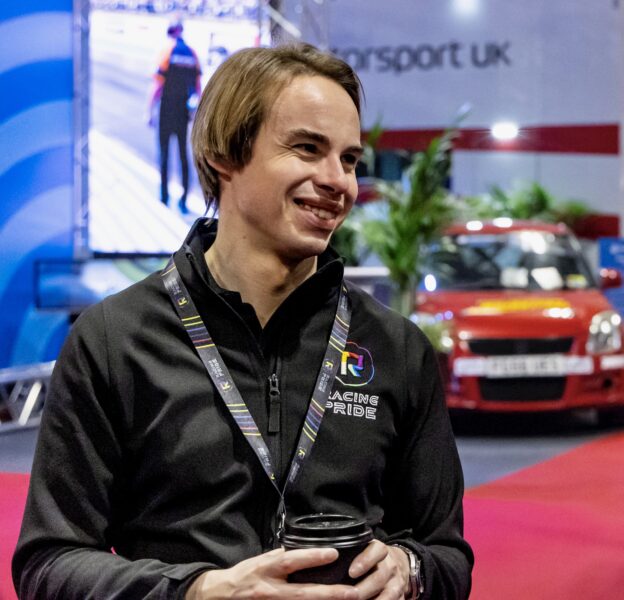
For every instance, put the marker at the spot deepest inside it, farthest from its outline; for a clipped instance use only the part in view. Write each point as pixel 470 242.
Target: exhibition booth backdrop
pixel 37 177
pixel 74 185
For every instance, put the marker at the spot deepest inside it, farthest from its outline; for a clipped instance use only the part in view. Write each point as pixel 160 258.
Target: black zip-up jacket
pixel 138 453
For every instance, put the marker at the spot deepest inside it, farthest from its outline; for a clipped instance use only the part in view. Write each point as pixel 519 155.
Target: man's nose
pixel 331 175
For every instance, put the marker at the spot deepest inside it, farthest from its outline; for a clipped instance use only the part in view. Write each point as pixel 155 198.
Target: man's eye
pixel 308 148
pixel 350 159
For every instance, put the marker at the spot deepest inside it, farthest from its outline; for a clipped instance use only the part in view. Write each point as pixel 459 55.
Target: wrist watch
pixel 416 585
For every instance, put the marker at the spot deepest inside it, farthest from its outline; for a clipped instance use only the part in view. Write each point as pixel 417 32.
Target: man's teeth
pixel 321 213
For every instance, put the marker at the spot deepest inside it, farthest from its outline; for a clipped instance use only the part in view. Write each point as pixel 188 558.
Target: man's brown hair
pixel 238 97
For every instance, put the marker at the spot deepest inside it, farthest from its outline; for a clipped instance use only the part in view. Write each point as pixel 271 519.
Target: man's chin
pixel 310 246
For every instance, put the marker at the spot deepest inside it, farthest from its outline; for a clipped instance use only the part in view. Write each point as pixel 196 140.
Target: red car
pixel 522 322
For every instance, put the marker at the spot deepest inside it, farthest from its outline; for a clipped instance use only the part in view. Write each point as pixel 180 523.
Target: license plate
pixel 523 365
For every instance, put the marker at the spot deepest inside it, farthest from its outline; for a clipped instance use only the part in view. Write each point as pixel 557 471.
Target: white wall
pixel 592 179
pixel 555 62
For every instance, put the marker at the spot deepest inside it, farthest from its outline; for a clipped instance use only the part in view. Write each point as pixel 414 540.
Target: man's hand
pixel 388 572
pixel 264 577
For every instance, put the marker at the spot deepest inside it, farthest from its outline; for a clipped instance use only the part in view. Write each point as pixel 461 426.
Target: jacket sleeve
pixel 426 490
pixel 64 549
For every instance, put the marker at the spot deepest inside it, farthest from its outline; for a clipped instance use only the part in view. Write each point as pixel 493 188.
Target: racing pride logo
pixel 356 366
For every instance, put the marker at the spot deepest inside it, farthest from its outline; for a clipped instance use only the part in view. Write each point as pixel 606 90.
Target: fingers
pixel 374 553
pixel 392 591
pixel 295 560
pixel 253 579
pixel 312 591
pixel 385 579
pixel 265 576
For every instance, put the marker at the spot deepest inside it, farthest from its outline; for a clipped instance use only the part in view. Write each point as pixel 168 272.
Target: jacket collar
pixel 192 266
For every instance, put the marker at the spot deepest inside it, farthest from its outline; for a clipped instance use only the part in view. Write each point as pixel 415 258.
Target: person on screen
pixel 176 84
pixel 247 383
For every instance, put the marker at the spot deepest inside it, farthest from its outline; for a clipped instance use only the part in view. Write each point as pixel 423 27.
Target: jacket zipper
pixel 274 427
pixel 270 519
pixel 275 405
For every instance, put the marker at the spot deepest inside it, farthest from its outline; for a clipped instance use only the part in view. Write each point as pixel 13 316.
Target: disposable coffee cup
pixel 347 534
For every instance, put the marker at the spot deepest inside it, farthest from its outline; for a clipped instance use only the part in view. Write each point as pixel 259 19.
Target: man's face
pixel 300 182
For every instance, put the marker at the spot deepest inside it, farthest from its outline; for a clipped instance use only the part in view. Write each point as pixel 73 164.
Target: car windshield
pixel 518 260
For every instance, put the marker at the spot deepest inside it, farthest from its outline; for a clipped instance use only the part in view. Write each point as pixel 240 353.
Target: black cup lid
pixel 325 528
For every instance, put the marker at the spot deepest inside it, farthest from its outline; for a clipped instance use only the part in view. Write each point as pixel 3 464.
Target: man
pixel 177 80
pixel 189 415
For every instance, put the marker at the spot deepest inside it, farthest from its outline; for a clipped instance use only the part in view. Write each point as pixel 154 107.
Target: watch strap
pixel 416 585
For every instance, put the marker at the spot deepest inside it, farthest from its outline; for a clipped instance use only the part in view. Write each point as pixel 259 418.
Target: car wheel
pixel 611 417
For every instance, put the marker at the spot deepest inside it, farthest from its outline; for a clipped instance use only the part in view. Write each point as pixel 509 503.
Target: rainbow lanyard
pixel 223 381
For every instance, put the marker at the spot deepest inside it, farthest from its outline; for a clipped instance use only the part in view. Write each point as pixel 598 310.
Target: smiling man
pixel 277 212
pixel 246 384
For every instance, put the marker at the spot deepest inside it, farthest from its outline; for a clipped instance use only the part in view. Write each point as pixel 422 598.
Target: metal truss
pixel 22 395
pixel 81 61
pixel 299 21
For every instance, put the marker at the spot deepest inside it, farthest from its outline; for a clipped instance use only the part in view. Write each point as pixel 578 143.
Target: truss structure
pixel 22 395
pixel 299 21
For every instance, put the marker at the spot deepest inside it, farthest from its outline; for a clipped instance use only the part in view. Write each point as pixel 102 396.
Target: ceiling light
pixel 504 131
pixel 466 7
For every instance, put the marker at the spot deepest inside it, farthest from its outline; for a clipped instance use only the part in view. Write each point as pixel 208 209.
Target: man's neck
pixel 262 279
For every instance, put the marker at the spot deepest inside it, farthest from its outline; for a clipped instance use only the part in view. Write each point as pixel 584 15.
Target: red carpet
pixel 13 488
pixel 554 531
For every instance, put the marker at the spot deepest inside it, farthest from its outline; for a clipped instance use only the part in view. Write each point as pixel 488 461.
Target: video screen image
pixel 129 42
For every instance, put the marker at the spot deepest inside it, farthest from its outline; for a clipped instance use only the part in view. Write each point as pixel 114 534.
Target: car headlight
pixel 437 328
pixel 604 333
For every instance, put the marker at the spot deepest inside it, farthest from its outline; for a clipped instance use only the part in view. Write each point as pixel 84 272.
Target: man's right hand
pixel 264 577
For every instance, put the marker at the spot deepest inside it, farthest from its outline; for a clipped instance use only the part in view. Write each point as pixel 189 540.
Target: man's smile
pixel 324 212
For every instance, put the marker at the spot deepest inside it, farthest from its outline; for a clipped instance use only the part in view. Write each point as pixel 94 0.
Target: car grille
pixel 505 346
pixel 518 389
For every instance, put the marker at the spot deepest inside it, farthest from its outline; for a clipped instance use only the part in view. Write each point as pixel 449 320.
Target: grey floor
pixel 16 450
pixel 490 447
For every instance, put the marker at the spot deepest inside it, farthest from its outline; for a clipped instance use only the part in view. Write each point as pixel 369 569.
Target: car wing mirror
pixel 610 278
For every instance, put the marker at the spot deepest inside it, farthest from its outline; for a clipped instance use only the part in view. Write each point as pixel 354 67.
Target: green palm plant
pixel 415 210
pixel 347 239
pixel 569 212
pixel 370 146
pixel 531 201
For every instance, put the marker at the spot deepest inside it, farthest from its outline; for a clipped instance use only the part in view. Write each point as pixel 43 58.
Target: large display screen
pixel 128 40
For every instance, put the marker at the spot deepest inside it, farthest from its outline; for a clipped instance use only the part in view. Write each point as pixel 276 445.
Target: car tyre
pixel 611 417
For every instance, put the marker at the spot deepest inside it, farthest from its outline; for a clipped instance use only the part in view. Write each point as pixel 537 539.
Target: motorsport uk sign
pixel 425 57
pixel 421 60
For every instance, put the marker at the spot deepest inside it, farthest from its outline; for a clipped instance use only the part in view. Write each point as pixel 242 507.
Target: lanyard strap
pixel 223 381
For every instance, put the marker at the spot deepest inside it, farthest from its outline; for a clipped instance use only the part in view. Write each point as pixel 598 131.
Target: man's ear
pixel 223 169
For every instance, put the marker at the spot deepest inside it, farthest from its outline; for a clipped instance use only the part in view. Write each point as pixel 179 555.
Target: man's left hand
pixel 386 569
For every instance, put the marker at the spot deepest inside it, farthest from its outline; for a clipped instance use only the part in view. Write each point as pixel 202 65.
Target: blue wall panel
pixel 36 169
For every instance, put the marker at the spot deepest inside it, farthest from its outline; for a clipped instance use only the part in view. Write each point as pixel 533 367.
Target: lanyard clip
pixel 281 520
